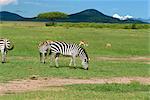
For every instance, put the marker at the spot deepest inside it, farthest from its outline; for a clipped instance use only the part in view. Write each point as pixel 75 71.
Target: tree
pixel 52 16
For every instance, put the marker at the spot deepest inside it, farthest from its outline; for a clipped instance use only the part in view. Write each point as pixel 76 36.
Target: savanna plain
pixel 127 57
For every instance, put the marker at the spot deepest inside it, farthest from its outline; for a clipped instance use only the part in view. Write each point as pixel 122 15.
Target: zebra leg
pixel 56 59
pixel 71 61
pixel 51 56
pixel 40 57
pixel 3 56
pixel 45 55
pixel 43 58
pixel 51 59
pixel 74 62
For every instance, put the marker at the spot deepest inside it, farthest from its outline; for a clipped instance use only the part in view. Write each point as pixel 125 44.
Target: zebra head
pixel 43 50
pixel 84 57
pixel 44 46
pixel 85 64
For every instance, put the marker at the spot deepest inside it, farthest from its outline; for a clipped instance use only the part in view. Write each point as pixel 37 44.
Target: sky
pixel 31 8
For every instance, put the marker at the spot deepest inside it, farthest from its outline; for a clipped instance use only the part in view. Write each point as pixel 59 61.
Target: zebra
pixel 5 45
pixel 69 49
pixel 44 48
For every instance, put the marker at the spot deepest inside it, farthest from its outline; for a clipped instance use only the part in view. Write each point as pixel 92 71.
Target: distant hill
pixel 92 15
pixel 8 16
pixel 89 15
pixel 144 20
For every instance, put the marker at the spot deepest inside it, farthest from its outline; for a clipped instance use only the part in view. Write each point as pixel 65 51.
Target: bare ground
pixel 134 58
pixel 40 83
pixel 124 58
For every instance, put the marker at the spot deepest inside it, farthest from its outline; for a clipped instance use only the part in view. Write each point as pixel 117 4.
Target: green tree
pixel 52 16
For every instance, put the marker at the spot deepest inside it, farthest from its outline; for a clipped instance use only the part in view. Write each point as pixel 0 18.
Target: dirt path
pixel 40 83
pixel 124 58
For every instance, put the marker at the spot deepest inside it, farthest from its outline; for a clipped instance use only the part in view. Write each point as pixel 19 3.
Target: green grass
pixel 132 87
pixel 18 69
pixel 133 91
pixel 23 61
pixel 124 42
pixel 103 25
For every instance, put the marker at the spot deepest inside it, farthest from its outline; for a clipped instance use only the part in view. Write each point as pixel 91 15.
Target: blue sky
pixel 30 8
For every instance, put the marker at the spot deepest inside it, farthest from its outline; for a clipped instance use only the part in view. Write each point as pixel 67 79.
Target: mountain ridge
pixel 88 15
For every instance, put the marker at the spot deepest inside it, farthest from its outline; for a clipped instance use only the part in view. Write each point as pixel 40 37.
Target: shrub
pixel 50 24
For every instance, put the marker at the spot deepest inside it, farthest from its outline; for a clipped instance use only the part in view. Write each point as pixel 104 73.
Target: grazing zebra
pixel 5 45
pixel 69 49
pixel 43 50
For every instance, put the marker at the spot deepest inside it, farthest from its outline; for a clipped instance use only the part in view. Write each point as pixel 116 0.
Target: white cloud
pixel 117 16
pixel 6 2
pixel 122 17
pixel 128 16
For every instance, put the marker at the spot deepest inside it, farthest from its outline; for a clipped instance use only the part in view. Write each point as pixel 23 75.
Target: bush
pixel 50 24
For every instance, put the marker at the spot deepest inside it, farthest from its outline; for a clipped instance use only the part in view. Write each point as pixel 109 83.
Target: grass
pixel 124 42
pixel 19 69
pixel 103 25
pixel 133 91
pixel 132 87
pixel 23 61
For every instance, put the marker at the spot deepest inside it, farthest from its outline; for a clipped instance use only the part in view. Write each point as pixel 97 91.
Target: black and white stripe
pixel 69 49
pixel 44 49
pixel 5 45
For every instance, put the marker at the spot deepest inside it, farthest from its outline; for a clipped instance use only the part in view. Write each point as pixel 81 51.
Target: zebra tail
pixel 11 48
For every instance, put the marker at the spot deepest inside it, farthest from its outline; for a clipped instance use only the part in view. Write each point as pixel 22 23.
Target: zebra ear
pixel 89 59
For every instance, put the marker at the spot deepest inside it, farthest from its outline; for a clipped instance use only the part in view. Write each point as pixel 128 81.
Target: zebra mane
pixel 85 52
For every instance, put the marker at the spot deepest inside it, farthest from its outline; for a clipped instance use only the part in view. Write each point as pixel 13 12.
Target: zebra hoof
pixel 86 69
pixel 42 62
pixel 3 62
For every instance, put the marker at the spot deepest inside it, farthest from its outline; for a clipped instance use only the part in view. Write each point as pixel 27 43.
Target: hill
pixel 92 15
pixel 144 20
pixel 8 16
pixel 89 15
